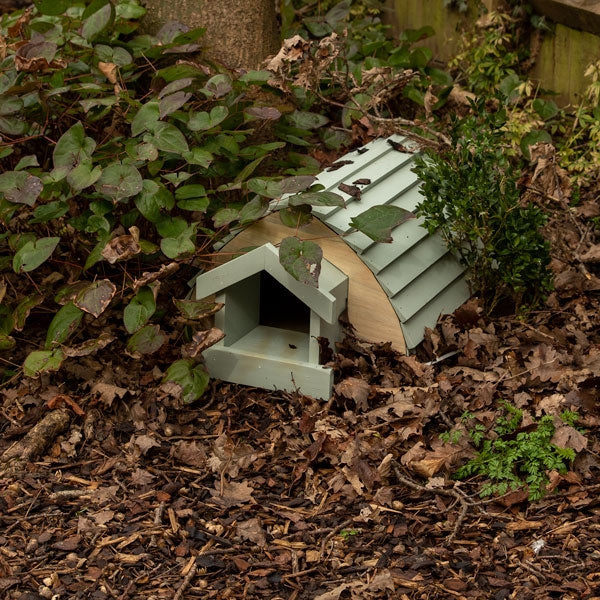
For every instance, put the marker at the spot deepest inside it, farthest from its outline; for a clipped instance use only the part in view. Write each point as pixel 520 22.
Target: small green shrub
pixel 514 459
pixel 471 197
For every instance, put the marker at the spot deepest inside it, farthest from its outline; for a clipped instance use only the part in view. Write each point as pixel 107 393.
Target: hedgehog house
pixel 392 292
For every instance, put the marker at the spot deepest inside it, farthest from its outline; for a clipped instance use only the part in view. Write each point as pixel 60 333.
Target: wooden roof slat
pixel 429 284
pixel 405 269
pixel 448 300
pixel 388 190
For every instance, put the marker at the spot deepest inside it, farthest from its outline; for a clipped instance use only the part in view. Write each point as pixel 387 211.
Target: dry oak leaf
pixel 252 530
pixel 291 50
pixel 145 442
pixel 190 453
pixel 232 494
pixel 141 477
pixel 354 389
pixel 592 255
pixel 109 70
pixel 201 340
pixel 122 247
pixel 566 436
pixel 108 392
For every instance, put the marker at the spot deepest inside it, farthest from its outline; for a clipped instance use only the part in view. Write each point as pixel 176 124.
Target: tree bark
pixel 239 33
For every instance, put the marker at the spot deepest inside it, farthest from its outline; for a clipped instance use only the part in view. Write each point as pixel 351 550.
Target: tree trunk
pixel 239 33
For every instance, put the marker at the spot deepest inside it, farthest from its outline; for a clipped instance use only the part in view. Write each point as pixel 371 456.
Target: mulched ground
pixel 256 494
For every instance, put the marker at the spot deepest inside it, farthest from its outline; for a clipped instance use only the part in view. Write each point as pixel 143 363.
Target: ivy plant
pixel 123 162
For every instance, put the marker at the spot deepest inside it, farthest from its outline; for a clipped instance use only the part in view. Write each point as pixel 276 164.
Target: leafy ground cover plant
pixel 471 197
pixel 121 165
pixel 125 158
pixel 511 458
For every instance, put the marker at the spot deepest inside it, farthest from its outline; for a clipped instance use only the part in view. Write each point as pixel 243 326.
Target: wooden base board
pixel 264 371
pixel 369 309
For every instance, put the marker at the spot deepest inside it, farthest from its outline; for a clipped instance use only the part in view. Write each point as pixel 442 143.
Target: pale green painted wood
pixel 284 344
pixel 360 158
pixel 405 238
pixel 271 357
pixel 266 258
pixel 403 271
pixel 242 308
pixel 429 284
pixel 446 302
pixel 415 269
pixel 216 280
pixel 268 372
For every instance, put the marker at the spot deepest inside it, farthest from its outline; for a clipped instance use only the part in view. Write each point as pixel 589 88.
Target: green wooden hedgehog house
pixel 391 292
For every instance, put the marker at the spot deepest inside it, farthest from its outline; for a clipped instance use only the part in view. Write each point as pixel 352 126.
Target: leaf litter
pixel 264 494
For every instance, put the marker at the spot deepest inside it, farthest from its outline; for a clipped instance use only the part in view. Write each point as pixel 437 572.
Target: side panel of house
pixel 240 315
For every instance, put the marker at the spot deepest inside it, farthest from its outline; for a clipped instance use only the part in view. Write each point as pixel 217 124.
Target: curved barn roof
pixel 419 277
pixel 418 273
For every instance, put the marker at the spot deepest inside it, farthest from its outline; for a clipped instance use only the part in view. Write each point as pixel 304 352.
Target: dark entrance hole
pixel 280 308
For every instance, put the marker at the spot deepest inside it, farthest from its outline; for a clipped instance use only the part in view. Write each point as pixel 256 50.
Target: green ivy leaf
pixel 32 254
pixel 172 227
pixel 20 187
pixel 180 246
pixel 42 361
pixel 169 104
pixel 198 156
pixel 153 200
pixel 307 120
pixel 377 222
pixel 83 175
pixel 47 212
pixel 64 323
pixel 72 148
pixel 545 108
pixel 146 340
pixel 224 216
pixel 296 216
pixel 203 121
pixel 249 169
pixel 217 86
pixel 146 118
pixel 139 310
pixel 256 77
pixel 252 211
pixel 120 181
pixel 52 7
pixel 23 309
pixel 194 204
pixel 95 298
pixel 6 342
pixel 31 160
pixel 96 254
pixel 169 139
pixel 268 188
pixel 97 17
pixel 192 379
pixel 302 260
pixel 192 190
